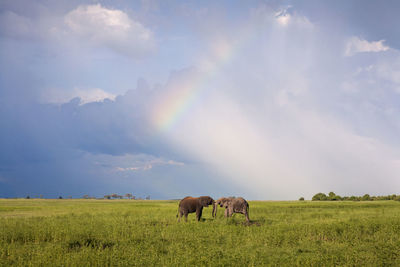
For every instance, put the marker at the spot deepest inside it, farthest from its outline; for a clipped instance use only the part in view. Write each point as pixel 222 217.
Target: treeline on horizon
pixel 111 196
pixel 317 197
pixel 333 197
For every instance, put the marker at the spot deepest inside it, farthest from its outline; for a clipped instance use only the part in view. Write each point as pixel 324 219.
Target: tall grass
pixel 146 233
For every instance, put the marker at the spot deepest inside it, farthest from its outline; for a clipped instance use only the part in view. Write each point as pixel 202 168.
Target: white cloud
pixel 389 72
pixel 145 165
pixel 86 95
pixel 87 24
pixel 283 17
pixel 381 77
pixel 357 45
pixel 120 169
pixel 110 27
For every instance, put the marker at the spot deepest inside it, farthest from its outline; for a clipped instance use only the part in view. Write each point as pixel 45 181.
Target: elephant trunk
pixel 214 212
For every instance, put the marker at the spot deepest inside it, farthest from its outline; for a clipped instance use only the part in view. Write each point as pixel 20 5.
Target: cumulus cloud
pixel 357 45
pixel 94 25
pixel 110 27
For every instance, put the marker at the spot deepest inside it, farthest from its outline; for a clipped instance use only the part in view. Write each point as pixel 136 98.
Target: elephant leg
pixel 186 215
pixel 247 216
pixel 198 213
pixel 180 216
pixel 243 212
pixel 226 213
pixel 246 213
pixel 231 212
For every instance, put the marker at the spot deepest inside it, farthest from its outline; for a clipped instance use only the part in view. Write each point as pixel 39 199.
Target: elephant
pixel 233 205
pixel 220 202
pixel 194 204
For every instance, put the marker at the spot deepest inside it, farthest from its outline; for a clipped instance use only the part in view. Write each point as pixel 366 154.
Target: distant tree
pixel 28 197
pixel 319 197
pixel 366 197
pixel 301 199
pixel 354 198
pixel 120 197
pixel 60 197
pixel 41 196
pixel 334 197
pixel 148 198
pixel 133 197
pixel 114 195
pixel 86 196
pixel 107 197
pixel 128 195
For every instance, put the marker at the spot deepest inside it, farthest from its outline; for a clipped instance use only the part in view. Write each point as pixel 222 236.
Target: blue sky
pixel 260 99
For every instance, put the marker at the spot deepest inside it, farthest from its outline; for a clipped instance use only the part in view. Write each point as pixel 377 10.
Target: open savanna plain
pixel 39 232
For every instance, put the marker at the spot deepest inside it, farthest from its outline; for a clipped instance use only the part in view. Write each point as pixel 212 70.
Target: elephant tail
pixel 247 211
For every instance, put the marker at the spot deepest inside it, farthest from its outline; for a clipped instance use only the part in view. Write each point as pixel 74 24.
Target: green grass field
pixel 146 233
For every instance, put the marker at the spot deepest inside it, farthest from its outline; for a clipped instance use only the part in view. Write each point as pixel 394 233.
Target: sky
pixel 268 100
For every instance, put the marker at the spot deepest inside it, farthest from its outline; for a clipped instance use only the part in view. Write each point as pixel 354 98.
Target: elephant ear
pixel 204 201
pixel 227 202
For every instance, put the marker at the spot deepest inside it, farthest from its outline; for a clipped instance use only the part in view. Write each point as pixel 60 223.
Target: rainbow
pixel 181 97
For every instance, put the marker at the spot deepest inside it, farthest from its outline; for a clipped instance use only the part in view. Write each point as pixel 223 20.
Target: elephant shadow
pixel 207 219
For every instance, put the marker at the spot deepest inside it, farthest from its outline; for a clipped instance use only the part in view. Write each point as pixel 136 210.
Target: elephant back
pixel 239 204
pixel 189 204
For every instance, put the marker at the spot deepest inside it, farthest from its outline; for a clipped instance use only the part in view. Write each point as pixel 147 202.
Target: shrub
pixel 366 197
pixel 354 198
pixel 319 196
pixel 301 199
